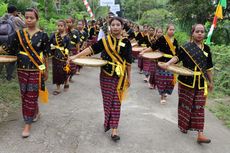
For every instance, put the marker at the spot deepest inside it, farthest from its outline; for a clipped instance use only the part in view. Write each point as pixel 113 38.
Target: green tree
pixel 3 8
pixel 20 4
pixel 134 10
pixel 157 17
pixel 189 12
pixel 101 12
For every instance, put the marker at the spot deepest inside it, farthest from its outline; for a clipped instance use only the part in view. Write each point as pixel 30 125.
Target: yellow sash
pixel 64 52
pixel 120 66
pixel 43 95
pixel 172 48
pixel 197 65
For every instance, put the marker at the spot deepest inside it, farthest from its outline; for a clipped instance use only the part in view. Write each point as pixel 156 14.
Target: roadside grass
pixel 220 107
pixel 10 94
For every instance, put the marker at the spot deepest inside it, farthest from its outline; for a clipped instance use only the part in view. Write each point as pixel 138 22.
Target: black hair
pixel 193 29
pixel 62 21
pixel 111 14
pixel 116 18
pixel 33 10
pixel 169 25
pixel 11 9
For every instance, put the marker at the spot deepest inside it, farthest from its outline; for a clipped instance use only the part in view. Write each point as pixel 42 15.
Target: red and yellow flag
pixel 218 15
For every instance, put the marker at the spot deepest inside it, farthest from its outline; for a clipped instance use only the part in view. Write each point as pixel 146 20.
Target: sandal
pixel 56 92
pixel 115 138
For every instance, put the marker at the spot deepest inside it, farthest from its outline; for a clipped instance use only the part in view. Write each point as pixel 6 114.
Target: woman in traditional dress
pixel 115 76
pixel 143 41
pixel 74 45
pixel 168 45
pixel 153 66
pixel 92 33
pixel 60 43
pixel 31 46
pixel 83 38
pixel 196 56
pixel 148 64
pixel 82 35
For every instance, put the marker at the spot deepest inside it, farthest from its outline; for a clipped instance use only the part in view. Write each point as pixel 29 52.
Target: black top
pixel 83 37
pixel 125 53
pixel 193 81
pixel 74 38
pixel 87 31
pixel 39 41
pixel 131 35
pixel 143 39
pixel 62 42
pixel 92 32
pixel 162 45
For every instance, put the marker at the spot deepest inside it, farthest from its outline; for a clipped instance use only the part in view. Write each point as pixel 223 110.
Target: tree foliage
pixel 189 12
pixel 221 34
pixel 21 4
pixel 101 12
pixel 134 9
pixel 157 18
pixel 3 8
pixel 221 56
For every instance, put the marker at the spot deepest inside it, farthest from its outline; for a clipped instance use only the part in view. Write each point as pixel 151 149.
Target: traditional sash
pixel 120 64
pixel 28 48
pixel 199 58
pixel 58 40
pixel 142 34
pixel 73 38
pixel 64 51
pixel 38 62
pixel 172 48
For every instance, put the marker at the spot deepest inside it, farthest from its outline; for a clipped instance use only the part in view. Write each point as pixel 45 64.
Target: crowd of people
pixel 113 38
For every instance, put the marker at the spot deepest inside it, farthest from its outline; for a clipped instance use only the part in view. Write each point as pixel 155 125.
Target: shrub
pixel 221 56
pixel 181 37
pixel 3 8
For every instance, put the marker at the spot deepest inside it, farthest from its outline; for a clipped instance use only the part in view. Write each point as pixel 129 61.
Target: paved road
pixel 72 122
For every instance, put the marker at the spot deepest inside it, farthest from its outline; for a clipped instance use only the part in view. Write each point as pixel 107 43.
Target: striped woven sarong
pixel 164 81
pixel 148 66
pixel 140 63
pixel 72 65
pixel 29 86
pixel 59 75
pixel 152 71
pixel 111 101
pixel 191 108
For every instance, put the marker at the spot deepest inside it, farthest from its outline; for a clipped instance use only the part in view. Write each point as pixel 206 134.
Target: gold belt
pixel 41 67
pixel 168 55
pixel 24 53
